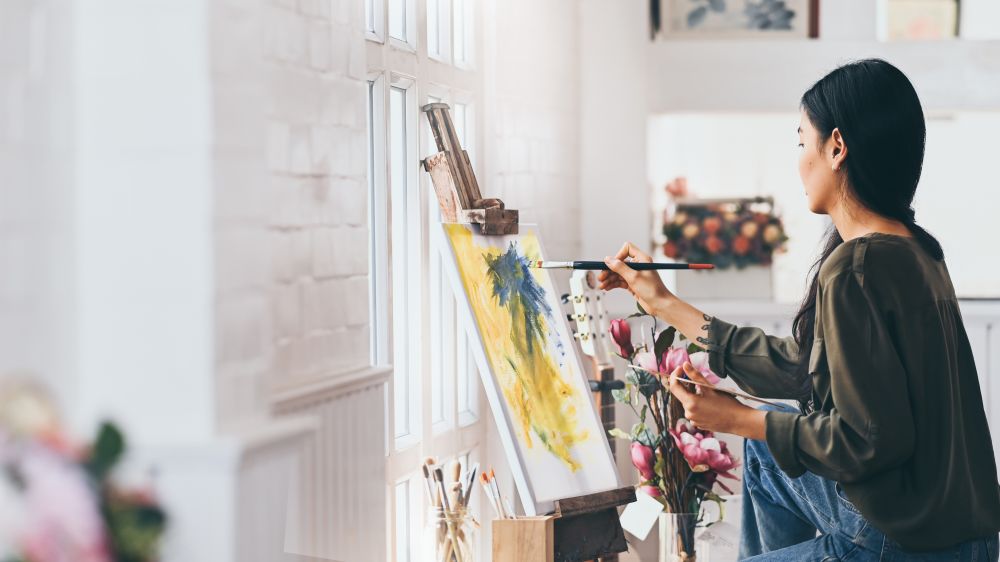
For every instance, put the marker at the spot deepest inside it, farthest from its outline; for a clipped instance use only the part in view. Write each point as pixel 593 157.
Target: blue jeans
pixel 781 517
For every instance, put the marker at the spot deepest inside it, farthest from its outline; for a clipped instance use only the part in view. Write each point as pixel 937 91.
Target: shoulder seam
pixel 858 263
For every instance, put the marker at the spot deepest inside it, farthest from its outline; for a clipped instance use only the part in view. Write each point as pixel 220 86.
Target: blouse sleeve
pixel 864 432
pixel 761 364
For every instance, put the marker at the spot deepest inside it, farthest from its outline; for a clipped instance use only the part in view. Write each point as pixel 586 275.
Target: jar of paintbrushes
pixel 451 529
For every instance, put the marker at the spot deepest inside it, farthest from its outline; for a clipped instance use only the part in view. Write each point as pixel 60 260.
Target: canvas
pixel 737 18
pixel 533 378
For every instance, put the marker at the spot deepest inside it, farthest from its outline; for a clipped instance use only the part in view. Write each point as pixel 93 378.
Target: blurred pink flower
pixel 643 459
pixel 702 450
pixel 651 491
pixel 646 360
pixel 61 521
pixel 621 333
pixel 700 362
pixel 672 358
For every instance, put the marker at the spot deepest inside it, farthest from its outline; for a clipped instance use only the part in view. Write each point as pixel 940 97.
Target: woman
pixel 889 456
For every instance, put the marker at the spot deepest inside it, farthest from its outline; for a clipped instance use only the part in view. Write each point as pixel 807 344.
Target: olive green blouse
pixel 898 415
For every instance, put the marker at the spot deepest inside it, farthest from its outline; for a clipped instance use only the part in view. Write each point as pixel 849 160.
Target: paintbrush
pixel 455 470
pixel 484 479
pixel 601 266
pixel 455 497
pixel 706 385
pixel 439 478
pixel 470 480
pixel 429 482
pixel 496 492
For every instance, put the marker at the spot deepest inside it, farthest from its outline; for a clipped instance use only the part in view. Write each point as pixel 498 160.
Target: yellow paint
pixel 534 389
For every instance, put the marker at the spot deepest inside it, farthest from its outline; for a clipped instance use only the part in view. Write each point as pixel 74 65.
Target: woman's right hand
pixel 646 286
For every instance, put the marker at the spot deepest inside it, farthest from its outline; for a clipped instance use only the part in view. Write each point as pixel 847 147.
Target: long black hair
pixel 878 114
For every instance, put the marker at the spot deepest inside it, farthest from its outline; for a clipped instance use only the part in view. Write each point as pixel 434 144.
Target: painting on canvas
pixel 533 378
pixel 737 18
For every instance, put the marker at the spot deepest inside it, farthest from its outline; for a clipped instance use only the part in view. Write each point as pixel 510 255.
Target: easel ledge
pixel 582 528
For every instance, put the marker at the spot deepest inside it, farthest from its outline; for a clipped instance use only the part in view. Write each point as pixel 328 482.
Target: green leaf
pixel 659 465
pixel 646 383
pixel 694 348
pixel 642 414
pixel 712 496
pixel 663 341
pixel 107 451
pixel 643 435
pixel 642 311
pixel 621 395
pixel 615 432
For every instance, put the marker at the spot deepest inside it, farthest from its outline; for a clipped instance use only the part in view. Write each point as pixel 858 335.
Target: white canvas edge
pixel 506 430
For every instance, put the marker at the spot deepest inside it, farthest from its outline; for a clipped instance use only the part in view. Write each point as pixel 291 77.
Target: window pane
pixel 468 381
pixel 373 302
pixel 398 180
pixel 397 19
pixel 403 547
pixel 459 50
pixel 434 27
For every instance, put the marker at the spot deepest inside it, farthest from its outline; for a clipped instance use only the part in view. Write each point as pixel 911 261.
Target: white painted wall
pixel 614 194
pixel 142 192
pixel 37 296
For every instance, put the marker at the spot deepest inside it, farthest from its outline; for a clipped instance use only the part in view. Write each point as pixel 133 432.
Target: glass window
pixel 397 19
pixel 404 546
pixel 462 18
pixel 406 267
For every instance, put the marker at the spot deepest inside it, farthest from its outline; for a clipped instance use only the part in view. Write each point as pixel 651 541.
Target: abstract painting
pixel 738 18
pixel 533 378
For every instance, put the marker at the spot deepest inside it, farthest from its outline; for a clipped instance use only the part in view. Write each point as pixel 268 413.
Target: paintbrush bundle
pixel 450 525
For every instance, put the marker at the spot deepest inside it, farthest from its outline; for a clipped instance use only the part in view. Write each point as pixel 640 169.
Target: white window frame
pixel 444 32
pixel 438 362
pixel 466 27
pixel 378 221
pixel 410 31
pixel 407 238
pixel 375 20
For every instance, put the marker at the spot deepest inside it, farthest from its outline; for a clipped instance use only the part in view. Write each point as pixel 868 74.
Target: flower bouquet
pixel 58 502
pixel 679 465
pixel 738 232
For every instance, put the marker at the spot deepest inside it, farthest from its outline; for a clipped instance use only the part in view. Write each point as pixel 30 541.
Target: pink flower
pixel 61 522
pixel 700 362
pixel 621 333
pixel 643 459
pixel 651 491
pixel 646 360
pixel 702 450
pixel 672 358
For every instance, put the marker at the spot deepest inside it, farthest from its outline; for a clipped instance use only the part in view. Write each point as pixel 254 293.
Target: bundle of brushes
pixel 449 490
pixel 500 503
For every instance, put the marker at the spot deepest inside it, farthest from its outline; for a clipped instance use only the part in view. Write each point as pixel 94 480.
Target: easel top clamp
pixel 455 182
pixel 586 527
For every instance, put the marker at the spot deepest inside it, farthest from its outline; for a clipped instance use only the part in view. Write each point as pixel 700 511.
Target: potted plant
pixel 679 465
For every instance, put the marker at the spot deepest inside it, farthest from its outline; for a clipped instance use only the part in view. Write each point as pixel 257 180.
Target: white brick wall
pixel 533 137
pixel 301 247
pixel 36 243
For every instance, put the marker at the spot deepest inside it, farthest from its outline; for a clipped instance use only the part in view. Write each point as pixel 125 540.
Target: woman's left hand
pixel 706 408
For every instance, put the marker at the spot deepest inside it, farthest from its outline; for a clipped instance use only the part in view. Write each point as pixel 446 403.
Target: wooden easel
pixel 455 182
pixel 584 527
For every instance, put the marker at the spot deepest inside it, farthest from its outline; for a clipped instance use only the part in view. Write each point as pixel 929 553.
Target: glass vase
pixel 677 537
pixel 450 536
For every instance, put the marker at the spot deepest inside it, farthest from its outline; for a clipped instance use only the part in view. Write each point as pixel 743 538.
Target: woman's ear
pixel 838 150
